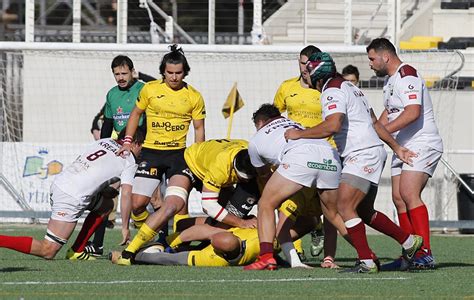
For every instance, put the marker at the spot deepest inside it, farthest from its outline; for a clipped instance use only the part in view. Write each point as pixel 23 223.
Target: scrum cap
pixel 320 66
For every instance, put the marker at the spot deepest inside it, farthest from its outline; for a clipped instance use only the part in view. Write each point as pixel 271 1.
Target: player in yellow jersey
pixel 213 164
pixel 217 164
pixel 302 105
pixel 171 105
pixel 232 247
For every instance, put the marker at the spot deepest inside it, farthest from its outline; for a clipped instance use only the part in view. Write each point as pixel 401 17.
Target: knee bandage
pixel 50 236
pixel 177 191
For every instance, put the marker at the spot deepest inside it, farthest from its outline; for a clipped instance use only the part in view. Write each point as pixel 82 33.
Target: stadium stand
pixel 457 43
pixel 457 4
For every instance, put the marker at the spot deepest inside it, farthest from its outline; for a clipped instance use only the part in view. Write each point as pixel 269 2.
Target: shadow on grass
pixel 453 265
pixel 17 269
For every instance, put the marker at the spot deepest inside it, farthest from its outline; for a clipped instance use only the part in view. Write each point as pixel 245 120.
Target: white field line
pixel 201 281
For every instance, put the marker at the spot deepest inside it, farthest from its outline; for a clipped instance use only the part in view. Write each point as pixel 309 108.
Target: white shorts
pixel 366 163
pixel 312 166
pixel 425 161
pixel 65 207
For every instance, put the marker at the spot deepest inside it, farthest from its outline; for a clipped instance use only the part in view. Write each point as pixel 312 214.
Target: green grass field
pixel 26 277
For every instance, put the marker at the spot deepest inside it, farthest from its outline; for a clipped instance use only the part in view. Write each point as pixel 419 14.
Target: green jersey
pixel 120 103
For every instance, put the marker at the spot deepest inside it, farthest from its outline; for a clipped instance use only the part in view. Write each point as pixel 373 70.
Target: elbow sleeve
pixel 212 208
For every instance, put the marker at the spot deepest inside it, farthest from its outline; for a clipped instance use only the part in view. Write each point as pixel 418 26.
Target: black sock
pixel 99 234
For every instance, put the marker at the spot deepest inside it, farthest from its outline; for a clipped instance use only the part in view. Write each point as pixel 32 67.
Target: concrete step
pixel 316 39
pixel 339 5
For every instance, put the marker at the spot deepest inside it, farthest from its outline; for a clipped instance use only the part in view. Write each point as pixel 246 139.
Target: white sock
pixel 409 242
pixel 368 262
pixel 290 253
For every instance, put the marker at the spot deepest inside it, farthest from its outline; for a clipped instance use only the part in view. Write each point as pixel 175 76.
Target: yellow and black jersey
pixel 302 104
pixel 169 114
pixel 212 162
pixel 250 249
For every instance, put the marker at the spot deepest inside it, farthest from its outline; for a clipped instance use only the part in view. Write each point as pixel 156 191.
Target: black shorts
pixel 154 163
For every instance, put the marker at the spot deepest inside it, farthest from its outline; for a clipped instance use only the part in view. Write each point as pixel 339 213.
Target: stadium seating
pixel 457 43
pixel 457 4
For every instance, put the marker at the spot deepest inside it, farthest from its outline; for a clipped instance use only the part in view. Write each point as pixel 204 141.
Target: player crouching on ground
pixel 210 166
pixel 84 185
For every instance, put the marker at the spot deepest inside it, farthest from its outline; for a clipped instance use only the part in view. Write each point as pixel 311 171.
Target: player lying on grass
pixel 235 246
pixel 84 185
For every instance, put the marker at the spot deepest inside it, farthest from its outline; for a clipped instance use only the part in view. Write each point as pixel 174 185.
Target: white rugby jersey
pixel 268 145
pixel 406 87
pixel 95 167
pixel 357 131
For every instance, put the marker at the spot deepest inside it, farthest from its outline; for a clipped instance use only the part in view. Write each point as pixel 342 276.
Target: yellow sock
pixel 140 219
pixel 174 240
pixel 298 246
pixel 144 235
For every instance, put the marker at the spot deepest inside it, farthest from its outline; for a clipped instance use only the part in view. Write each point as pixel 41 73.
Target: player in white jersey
pixel 409 117
pixel 351 121
pixel 84 185
pixel 302 163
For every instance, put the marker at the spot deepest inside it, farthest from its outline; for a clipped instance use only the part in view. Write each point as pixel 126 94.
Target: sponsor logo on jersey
pixel 121 117
pixel 327 165
pixel 411 87
pixel 292 95
pixel 61 214
pixel 167 126
pixel 332 106
pixel 167 144
pixel 143 164
pixel 412 96
pixel 142 172
pixel 368 170
pixel 119 110
pixel 159 96
pixel 358 93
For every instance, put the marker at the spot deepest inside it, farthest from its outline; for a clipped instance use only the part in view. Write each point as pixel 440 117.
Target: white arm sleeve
pixel 212 208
